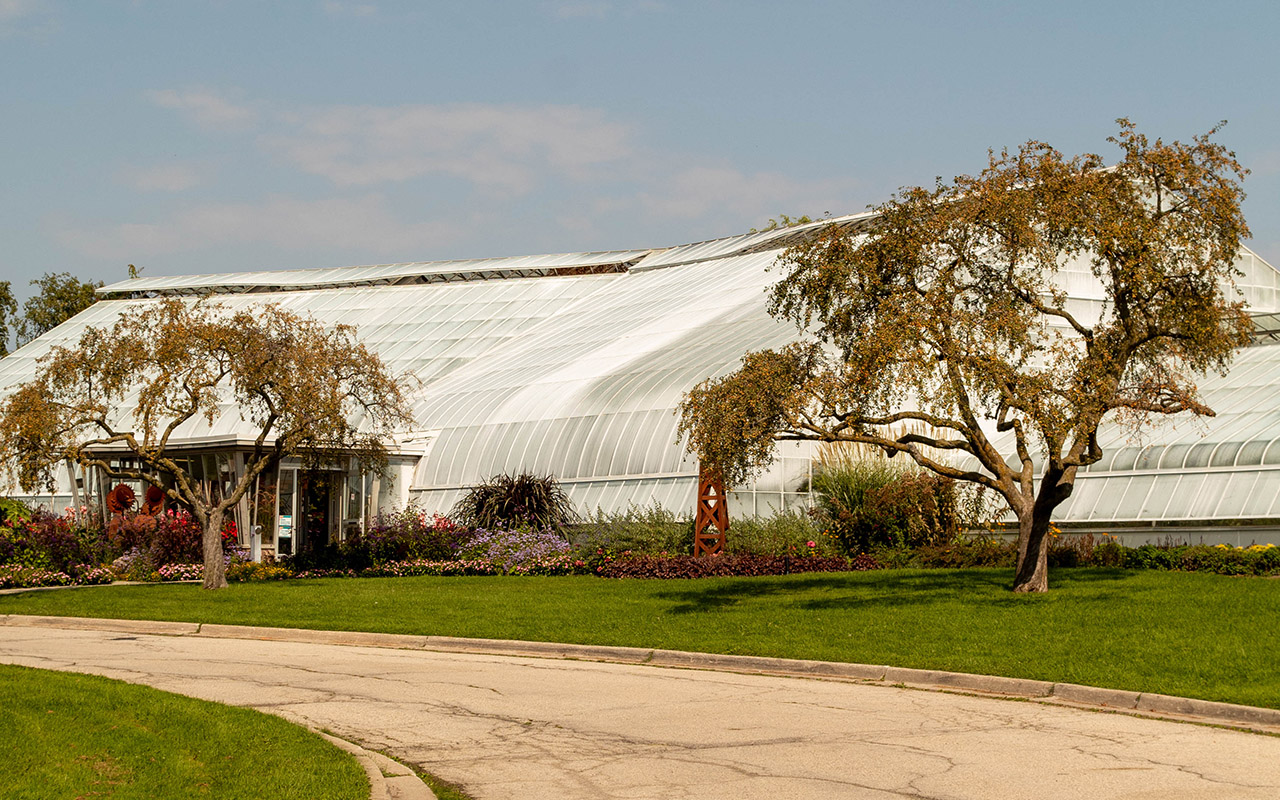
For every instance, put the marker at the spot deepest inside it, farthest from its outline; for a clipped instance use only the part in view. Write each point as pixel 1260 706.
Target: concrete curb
pixel 388 779
pixel 1266 720
pixel 94 624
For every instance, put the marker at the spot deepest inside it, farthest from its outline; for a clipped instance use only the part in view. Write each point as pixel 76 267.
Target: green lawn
pixel 1189 634
pixel 65 735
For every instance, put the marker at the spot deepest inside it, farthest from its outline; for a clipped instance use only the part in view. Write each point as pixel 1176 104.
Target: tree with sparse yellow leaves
pixel 942 332
pixel 307 390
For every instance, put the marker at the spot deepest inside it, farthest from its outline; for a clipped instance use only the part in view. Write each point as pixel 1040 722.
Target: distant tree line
pixel 61 297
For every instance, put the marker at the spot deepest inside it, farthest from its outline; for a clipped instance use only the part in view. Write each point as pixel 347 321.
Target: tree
pixel 944 334
pixel 305 389
pixel 8 312
pixel 61 297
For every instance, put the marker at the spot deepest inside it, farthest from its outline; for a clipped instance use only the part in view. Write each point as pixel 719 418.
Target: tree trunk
pixel 215 569
pixel 1032 574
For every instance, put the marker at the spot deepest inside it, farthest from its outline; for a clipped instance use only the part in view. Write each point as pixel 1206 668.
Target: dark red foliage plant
pixel 729 565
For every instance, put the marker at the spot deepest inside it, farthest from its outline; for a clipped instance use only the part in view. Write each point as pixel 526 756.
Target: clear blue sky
pixel 215 136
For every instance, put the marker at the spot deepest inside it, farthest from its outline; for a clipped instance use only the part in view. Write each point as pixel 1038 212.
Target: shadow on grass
pixel 884 589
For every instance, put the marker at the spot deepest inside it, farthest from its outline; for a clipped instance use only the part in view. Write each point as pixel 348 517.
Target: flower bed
pixel 181 572
pixel 16 576
pixel 728 565
pixel 401 569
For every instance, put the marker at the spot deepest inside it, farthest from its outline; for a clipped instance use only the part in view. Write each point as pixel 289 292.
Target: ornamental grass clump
pixel 511 501
pixel 869 501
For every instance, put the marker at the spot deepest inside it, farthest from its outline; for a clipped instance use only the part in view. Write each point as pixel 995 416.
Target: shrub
pixel 870 501
pixel 257 571
pixel 1223 558
pixel 651 529
pixel 172 537
pixel 1072 549
pixel 976 552
pixel 512 501
pixel 1151 556
pixel 793 533
pixel 1108 553
pixel 135 565
pixel 50 542
pixel 13 511
pixel 175 537
pixel 405 535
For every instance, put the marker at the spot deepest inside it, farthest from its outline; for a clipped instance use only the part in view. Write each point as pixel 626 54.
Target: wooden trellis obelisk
pixel 712 517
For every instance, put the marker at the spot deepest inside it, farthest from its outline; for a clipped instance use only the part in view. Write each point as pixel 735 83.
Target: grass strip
pixel 1189 634
pixel 70 735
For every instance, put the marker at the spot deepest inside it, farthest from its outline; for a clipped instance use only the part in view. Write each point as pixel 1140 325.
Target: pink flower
pixel 812 544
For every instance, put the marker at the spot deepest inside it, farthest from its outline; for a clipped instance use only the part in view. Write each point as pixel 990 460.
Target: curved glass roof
pixel 574 364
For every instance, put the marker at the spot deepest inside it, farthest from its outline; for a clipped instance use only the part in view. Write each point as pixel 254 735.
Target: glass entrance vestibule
pixel 296 508
pixel 291 506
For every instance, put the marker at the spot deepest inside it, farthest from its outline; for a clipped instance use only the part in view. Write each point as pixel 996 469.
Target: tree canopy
pixel 945 332
pixel 306 389
pixel 61 297
pixel 8 319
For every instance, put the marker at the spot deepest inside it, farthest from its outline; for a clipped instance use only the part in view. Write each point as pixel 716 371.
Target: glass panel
pixel 353 505
pixel 626 440
pixel 1225 454
pixel 1162 488
pixel 1173 455
pixel 1124 459
pixel 795 474
pixel 1238 489
pixel 1083 496
pixel 265 507
pixel 1180 498
pixel 1113 492
pixel 1199 455
pixel 741 505
pixel 1251 453
pixel 1149 457
pixel 600 444
pixel 285 521
pixel 1273 453
pixel 770 480
pixel 1129 507
pixel 796 502
pixel 1263 498
pixel 1205 503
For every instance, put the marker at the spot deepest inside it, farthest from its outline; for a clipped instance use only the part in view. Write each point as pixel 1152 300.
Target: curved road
pixel 526 728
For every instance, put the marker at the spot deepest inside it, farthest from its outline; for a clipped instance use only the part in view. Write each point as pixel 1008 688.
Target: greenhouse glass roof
pixel 573 364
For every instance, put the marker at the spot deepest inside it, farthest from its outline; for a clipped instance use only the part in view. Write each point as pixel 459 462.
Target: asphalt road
pixel 529 728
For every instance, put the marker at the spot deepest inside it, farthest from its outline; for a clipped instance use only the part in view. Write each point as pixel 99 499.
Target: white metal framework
pixel 574 364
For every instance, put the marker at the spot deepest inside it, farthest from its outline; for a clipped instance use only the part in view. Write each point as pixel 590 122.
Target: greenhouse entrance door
pixel 308 502
pixel 319 500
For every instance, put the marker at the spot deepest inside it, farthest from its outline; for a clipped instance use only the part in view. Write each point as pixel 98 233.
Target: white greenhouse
pixel 573 365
